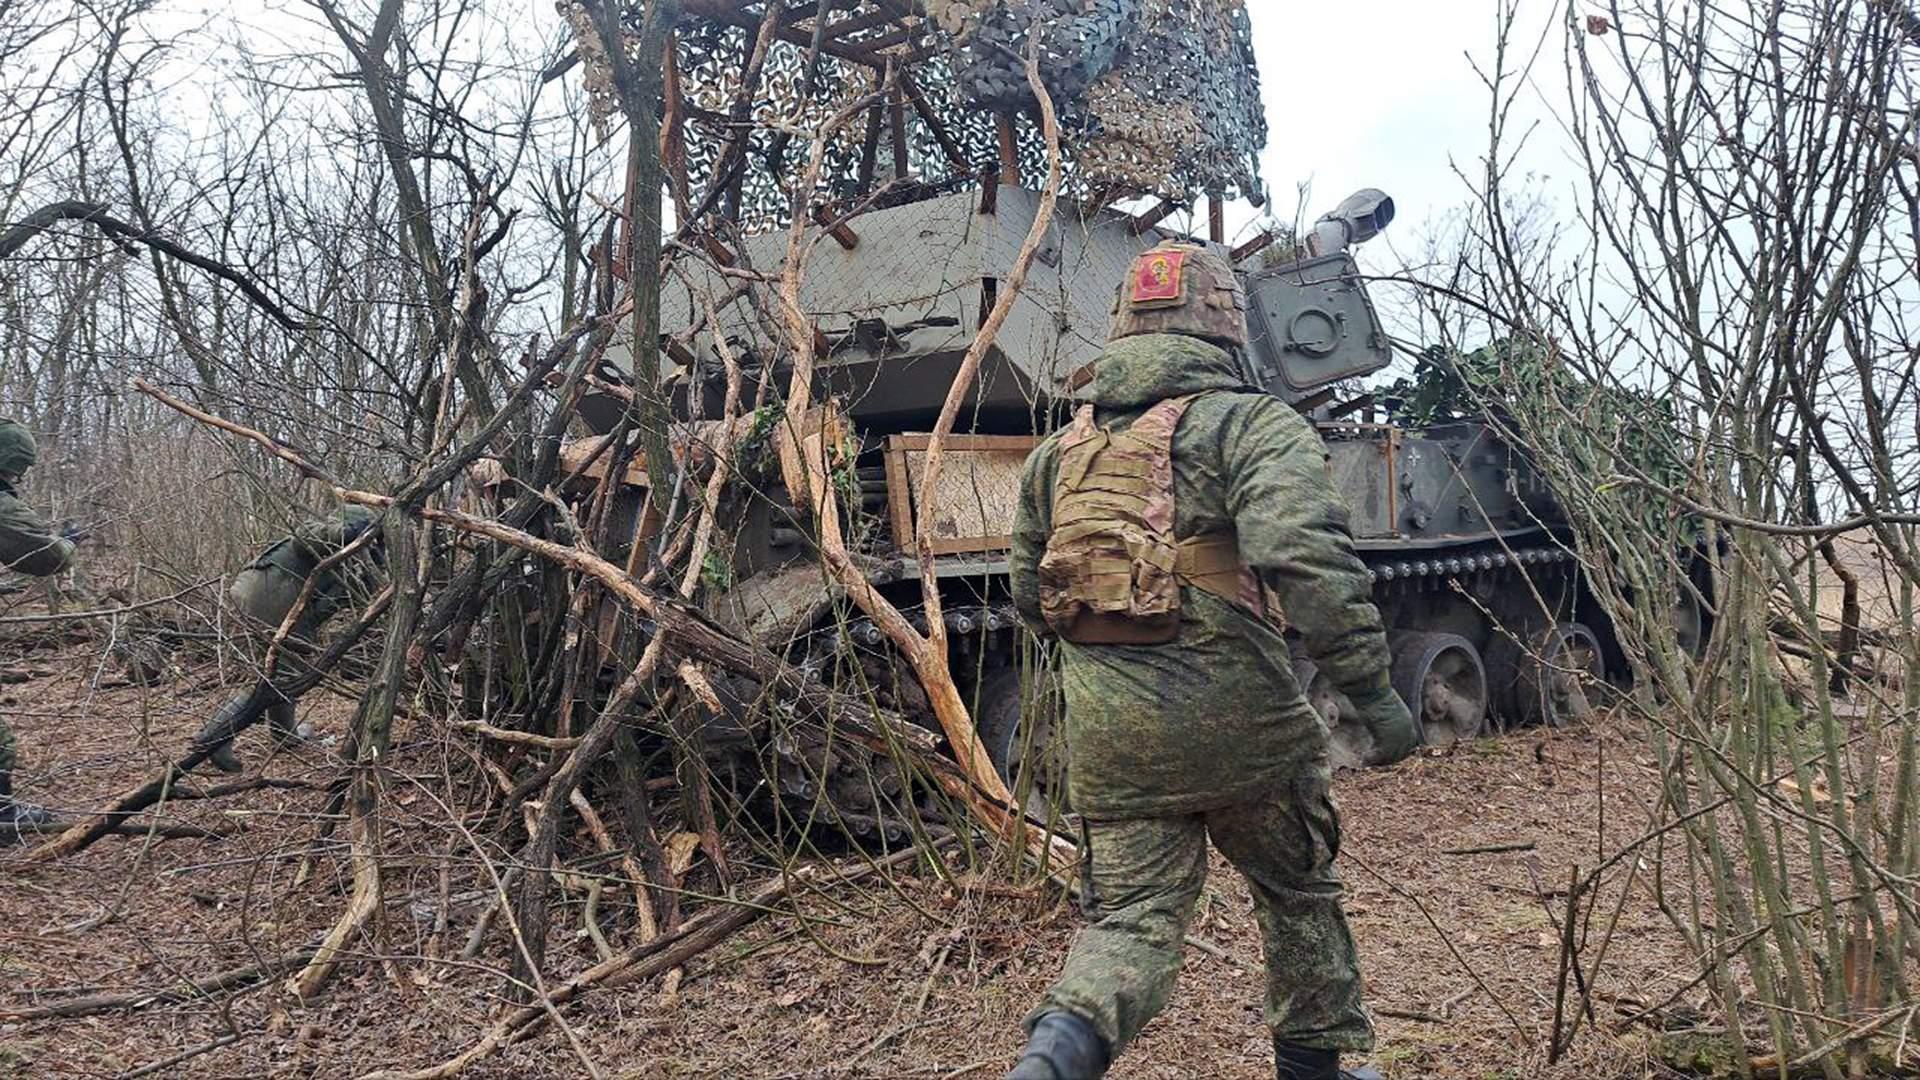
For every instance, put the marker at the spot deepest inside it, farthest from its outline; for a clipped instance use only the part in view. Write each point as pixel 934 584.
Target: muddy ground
pixel 923 978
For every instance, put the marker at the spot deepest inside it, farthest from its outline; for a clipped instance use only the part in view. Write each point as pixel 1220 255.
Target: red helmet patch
pixel 1157 278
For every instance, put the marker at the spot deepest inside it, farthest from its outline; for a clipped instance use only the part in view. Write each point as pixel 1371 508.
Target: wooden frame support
pixel 956 157
pixel 1253 247
pixel 841 232
pixel 717 249
pixel 897 119
pixel 1009 148
pixel 900 487
pixel 1142 222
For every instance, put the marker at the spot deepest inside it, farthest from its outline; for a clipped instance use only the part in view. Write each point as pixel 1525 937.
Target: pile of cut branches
pixel 539 627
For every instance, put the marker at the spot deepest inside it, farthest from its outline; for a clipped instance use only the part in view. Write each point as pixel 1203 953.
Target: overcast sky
pixel 1359 93
pixel 1383 93
pixel 1373 93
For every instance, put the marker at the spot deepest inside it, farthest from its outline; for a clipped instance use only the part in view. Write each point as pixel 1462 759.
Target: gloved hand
pixel 1395 735
pixel 73 534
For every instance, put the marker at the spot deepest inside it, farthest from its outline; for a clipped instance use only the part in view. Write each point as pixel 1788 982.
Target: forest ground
pixel 925 979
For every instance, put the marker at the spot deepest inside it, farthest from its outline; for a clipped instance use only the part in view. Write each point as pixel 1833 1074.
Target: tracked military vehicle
pixel 1488 621
pixel 1473 574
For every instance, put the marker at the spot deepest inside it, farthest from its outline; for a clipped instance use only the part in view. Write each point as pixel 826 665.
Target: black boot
pixel 1293 1062
pixel 1062 1047
pixel 288 732
pixel 232 717
pixel 15 816
pixel 224 759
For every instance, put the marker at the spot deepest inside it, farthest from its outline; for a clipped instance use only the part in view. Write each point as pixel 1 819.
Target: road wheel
pixel 1444 684
pixel 1689 621
pixel 1556 677
pixel 1018 720
pixel 1348 741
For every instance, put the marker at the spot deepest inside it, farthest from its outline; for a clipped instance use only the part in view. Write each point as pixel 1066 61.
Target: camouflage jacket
pixel 1214 717
pixel 271 584
pixel 26 543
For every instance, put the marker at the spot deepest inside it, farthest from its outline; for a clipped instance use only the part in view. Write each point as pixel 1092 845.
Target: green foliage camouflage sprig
pixel 1583 436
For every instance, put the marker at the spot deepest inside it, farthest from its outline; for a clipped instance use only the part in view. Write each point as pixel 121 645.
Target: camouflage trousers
pixel 1144 877
pixel 6 746
pixel 294 653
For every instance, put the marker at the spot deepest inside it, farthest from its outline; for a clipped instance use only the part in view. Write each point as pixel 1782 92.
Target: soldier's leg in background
pixel 1285 847
pixel 282 723
pixel 259 599
pixel 216 736
pixel 7 751
pixel 14 814
pixel 297 650
pixel 1145 875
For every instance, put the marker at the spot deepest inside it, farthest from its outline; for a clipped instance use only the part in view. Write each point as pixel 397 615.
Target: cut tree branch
pixel 97 215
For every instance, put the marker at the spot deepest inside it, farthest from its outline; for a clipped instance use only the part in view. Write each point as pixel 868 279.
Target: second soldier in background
pixel 270 589
pixel 29 546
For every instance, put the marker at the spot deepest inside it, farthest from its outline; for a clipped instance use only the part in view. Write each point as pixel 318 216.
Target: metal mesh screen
pixel 1162 95
pixel 1157 97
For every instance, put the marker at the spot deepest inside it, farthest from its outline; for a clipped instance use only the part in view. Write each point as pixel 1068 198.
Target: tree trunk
pixel 367 743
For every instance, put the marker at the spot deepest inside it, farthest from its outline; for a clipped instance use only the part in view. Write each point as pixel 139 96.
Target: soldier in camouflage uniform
pixel 267 590
pixel 29 546
pixel 1197 730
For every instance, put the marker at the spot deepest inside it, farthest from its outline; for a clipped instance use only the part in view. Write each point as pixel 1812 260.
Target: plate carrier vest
pixel 1112 571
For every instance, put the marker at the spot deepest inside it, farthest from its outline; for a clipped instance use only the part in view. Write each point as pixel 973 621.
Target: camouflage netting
pixel 712 61
pixel 1159 97
pixel 593 60
pixel 1165 93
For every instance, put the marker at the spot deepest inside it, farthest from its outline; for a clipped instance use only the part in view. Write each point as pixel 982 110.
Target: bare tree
pixel 1721 358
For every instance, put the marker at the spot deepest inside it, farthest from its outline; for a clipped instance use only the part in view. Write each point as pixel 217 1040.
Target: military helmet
pixel 17 448
pixel 1181 289
pixel 356 519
